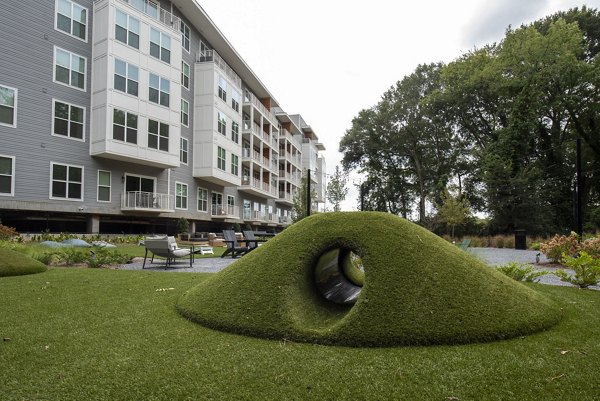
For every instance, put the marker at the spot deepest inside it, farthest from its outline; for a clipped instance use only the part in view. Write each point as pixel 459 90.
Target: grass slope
pixel 419 289
pixel 98 334
pixel 16 264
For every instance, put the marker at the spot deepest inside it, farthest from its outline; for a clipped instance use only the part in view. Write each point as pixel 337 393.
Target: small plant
pixel 521 271
pixel 7 233
pixel 48 258
pixel 183 225
pixel 559 245
pixel 101 256
pixel 72 256
pixel 587 270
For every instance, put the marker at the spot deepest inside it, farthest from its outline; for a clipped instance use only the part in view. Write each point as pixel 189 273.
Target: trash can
pixel 520 239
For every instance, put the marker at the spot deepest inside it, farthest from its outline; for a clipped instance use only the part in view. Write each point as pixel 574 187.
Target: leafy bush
pixel 592 247
pixel 587 270
pixel 559 245
pixel 72 256
pixel 101 256
pixel 521 271
pixel 6 233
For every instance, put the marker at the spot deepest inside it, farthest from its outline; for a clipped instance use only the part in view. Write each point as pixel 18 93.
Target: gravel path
pixel 490 256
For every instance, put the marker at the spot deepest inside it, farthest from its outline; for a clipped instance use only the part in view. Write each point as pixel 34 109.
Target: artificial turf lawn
pixel 419 289
pixel 16 264
pixel 99 334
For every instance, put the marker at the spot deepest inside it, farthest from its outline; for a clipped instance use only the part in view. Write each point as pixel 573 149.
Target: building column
pixel 93 224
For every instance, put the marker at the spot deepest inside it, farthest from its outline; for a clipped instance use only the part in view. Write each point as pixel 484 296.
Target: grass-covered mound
pixel 16 264
pixel 418 289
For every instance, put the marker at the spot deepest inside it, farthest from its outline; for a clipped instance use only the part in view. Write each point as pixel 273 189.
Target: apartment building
pixel 126 115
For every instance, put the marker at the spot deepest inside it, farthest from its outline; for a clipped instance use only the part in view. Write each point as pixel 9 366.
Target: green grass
pixel 15 264
pixel 99 334
pixel 419 289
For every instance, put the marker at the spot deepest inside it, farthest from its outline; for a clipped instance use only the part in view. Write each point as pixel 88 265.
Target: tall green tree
pixel 336 188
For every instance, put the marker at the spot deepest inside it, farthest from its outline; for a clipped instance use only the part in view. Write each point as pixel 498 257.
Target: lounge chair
pixel 167 248
pixel 251 240
pixel 464 244
pixel 233 247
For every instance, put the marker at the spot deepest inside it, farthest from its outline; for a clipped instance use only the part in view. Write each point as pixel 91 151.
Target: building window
pixel 222 88
pixel 8 106
pixel 221 155
pixel 103 186
pixel 246 210
pixel 69 120
pixel 185 75
pixel 158 135
pixel 127 29
pixel 185 36
pixel 126 77
pixel 183 150
pixel 202 200
pixel 146 6
pixel 125 126
pixel 235 100
pixel 181 195
pixel 67 182
pixel 230 205
pixel 159 90
pixel 71 18
pixel 160 45
pixel 235 132
pixel 235 165
pixel 185 113
pixel 69 68
pixel 7 175
pixel 221 123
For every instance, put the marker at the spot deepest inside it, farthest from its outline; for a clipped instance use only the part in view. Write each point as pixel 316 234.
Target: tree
pixel 299 208
pixel 453 210
pixel 336 189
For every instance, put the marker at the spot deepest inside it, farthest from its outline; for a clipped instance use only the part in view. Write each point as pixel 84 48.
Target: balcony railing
pixel 211 56
pixel 152 10
pixel 248 125
pixel 285 220
pixel 250 98
pixel 224 211
pixel 147 201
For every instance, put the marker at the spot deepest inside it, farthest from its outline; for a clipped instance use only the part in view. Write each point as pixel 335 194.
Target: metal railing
pixel 149 201
pixel 153 10
pixel 250 98
pixel 224 211
pixel 211 56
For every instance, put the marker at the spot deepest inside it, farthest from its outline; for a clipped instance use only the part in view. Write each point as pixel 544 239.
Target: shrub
pixel 559 245
pixel 592 247
pixel 587 270
pixel 101 256
pixel 6 233
pixel 71 256
pixel 48 258
pixel 521 271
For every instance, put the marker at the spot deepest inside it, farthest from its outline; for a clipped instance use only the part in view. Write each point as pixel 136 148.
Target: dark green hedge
pixel 419 289
pixel 16 264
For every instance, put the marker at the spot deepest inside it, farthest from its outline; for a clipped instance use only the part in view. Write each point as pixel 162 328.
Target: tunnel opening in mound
pixel 339 275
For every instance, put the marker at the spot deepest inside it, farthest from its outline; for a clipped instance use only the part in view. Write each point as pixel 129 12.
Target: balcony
pixel 151 9
pixel 249 98
pixel 257 187
pixel 285 220
pixel 220 211
pixel 211 56
pixel 147 202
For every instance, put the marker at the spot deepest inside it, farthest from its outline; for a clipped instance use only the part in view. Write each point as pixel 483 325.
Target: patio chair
pixel 233 247
pixel 251 240
pixel 167 248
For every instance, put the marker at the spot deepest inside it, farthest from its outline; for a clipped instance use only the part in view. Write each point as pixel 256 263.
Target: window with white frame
pixel 7 175
pixel 127 29
pixel 69 120
pixel 66 182
pixel 8 106
pixel 159 89
pixel 125 126
pixel 235 132
pixel 246 210
pixel 185 113
pixel 160 45
pixel 185 75
pixel 158 135
pixel 221 156
pixel 235 162
pixel 235 100
pixel 71 18
pixel 202 199
pixel 126 77
pixel 185 36
pixel 148 7
pixel 103 186
pixel 222 88
pixel 230 204
pixel 181 195
pixel 221 123
pixel 183 150
pixel 69 68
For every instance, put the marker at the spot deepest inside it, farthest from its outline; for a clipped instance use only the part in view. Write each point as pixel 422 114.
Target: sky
pixel 328 60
